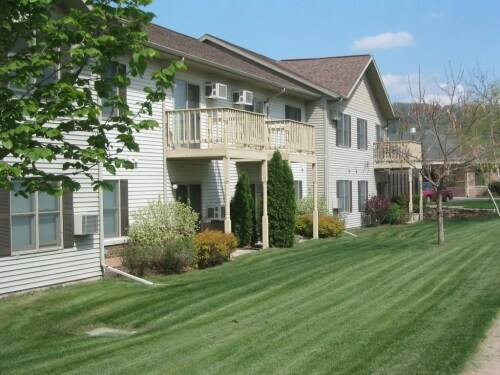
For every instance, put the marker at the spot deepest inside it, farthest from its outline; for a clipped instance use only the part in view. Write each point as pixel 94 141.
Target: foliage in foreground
pixel 47 96
pixel 214 247
pixel 242 211
pixel 377 209
pixel 157 238
pixel 281 203
pixel 328 226
pixel 306 206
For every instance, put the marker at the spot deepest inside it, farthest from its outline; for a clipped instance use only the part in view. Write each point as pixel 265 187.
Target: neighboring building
pixel 226 114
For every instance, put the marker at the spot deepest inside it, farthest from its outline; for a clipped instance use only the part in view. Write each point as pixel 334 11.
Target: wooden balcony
pixel 397 154
pixel 219 132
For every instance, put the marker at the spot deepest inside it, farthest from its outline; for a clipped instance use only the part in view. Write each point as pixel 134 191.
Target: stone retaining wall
pixel 431 212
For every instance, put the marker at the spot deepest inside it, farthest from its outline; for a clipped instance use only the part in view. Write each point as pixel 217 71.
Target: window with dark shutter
pixel 5 223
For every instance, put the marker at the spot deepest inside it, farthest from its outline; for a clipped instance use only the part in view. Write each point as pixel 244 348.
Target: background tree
pixel 55 82
pixel 281 202
pixel 446 127
pixel 242 211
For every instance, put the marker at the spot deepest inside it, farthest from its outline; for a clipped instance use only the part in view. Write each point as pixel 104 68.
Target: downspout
pixel 266 103
pixel 164 148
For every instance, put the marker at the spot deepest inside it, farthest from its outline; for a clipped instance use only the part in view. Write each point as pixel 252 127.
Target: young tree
pixel 59 71
pixel 446 127
pixel 281 202
pixel 242 211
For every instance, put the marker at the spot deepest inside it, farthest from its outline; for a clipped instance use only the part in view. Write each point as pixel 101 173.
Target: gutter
pixel 266 103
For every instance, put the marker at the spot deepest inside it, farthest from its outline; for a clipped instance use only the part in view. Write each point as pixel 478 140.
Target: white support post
pixel 410 192
pixel 265 220
pixel 315 200
pixel 421 199
pixel 227 197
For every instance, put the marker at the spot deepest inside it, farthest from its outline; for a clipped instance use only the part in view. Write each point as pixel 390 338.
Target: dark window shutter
pixel 122 91
pixel 68 220
pixel 338 130
pixel 4 222
pixel 123 207
pixel 348 128
pixel 299 115
pixel 365 125
pixel 350 196
pixel 359 133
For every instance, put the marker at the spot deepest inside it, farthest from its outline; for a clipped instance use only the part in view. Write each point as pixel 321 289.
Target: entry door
pixel 190 194
pixel 187 125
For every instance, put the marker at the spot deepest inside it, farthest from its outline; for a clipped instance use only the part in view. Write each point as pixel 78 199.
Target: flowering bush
pixel 377 208
pixel 305 206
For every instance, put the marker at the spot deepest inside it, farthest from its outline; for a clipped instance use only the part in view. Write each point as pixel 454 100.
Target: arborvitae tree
pixel 242 211
pixel 281 203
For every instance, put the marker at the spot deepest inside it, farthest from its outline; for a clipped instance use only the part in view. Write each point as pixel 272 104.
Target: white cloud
pixel 398 86
pixel 384 41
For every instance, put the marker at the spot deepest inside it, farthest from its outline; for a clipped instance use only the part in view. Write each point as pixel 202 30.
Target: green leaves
pixel 55 82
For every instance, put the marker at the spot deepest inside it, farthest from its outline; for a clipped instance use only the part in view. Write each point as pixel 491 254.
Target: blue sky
pixel 403 36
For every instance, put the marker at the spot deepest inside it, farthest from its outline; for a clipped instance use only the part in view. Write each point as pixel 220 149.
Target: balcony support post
pixel 227 196
pixel 265 220
pixel 410 191
pixel 315 200
pixel 421 200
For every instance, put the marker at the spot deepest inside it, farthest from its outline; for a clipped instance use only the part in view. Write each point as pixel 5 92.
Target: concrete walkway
pixel 486 361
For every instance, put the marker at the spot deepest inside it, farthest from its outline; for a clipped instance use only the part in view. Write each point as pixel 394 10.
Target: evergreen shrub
pixel 281 202
pixel 242 211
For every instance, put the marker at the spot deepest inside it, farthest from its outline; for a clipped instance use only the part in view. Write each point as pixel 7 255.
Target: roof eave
pixel 302 80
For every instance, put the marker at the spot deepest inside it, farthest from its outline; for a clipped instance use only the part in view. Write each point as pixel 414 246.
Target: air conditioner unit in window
pixel 243 97
pixel 215 91
pixel 86 224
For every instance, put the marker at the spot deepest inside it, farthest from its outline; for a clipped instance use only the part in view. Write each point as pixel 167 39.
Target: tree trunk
pixel 493 200
pixel 440 217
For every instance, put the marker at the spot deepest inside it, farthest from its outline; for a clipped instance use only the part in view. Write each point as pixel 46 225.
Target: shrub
pixel 242 211
pixel 178 255
pixel 395 214
pixel 305 206
pixel 495 187
pixel 136 258
pixel 156 224
pixel 153 235
pixel 281 203
pixel 403 201
pixel 377 208
pixel 213 247
pixel 328 226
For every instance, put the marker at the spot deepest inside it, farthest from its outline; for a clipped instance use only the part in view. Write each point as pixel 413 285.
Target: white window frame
pixel 343 133
pixel 344 195
pixel 35 214
pixel 362 195
pixel 362 134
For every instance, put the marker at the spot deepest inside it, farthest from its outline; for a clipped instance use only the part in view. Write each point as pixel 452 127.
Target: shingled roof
pixel 191 48
pixel 342 74
pixel 339 74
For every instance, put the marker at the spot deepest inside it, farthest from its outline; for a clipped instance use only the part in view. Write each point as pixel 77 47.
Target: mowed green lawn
pixel 387 302
pixel 473 203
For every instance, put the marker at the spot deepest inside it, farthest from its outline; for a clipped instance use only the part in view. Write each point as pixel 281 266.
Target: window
pixel 344 131
pixel 362 195
pixel 257 106
pixel 38 222
pixel 19 46
pixel 293 113
pixel 344 189
pixel 113 70
pixel 186 131
pixel 362 134
pixel 115 207
pixel 298 189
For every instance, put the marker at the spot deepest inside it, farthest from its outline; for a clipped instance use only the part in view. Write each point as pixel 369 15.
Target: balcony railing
pixel 291 136
pixel 203 128
pixel 398 152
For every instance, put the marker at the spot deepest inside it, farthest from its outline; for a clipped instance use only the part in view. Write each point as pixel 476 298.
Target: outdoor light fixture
pixel 174 186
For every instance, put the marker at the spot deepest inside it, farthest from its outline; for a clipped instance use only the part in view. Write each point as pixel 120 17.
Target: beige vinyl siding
pixel 44 269
pixel 317 115
pixel 351 163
